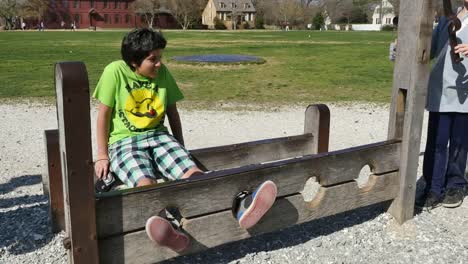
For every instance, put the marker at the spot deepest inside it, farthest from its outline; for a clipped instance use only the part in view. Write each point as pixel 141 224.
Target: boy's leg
pixel 132 162
pixel 429 156
pixel 171 158
pixel 250 208
pixel 456 165
pixel 443 122
pixel 162 232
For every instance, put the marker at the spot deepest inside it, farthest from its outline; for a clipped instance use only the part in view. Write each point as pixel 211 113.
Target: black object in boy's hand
pixel 105 184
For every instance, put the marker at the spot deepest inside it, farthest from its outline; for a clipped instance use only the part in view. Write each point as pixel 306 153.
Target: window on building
pixel 117 19
pixel 377 20
pixel 246 6
pixel 77 19
pixel 142 19
pixel 127 19
pixel 223 5
pixel 92 3
pixel 106 18
pixel 388 20
pixel 116 4
pixel 233 5
pixel 126 4
pixel 76 4
pixel 106 4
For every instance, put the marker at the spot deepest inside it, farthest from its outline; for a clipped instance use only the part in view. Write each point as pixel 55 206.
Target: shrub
pixel 218 24
pixel 245 25
pixel 318 22
pixel 388 28
pixel 259 23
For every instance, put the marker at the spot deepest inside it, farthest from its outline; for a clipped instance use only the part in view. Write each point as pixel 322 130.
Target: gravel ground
pixel 364 235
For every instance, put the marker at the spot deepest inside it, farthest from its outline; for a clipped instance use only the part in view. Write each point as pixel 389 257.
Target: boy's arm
pixel 174 122
pixel 101 166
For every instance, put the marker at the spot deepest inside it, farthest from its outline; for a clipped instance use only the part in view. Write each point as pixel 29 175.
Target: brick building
pixel 102 14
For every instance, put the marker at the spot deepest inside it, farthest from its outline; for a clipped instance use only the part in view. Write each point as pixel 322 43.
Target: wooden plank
pixel 73 114
pixel 237 155
pixel 54 180
pixel 128 210
pixel 414 38
pixel 317 122
pixel 219 228
pixel 315 140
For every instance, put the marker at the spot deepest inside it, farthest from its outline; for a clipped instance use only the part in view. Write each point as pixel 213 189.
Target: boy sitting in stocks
pixel 135 95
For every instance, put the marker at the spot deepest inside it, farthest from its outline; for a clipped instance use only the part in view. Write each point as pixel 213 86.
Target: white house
pixel 387 14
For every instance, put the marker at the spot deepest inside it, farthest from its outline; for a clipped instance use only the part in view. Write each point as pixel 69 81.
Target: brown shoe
pixel 163 234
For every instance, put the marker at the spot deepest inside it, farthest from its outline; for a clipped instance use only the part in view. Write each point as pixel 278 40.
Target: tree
pixel 318 21
pixel 364 7
pixel 347 10
pixel 396 6
pixel 149 9
pixel 34 8
pixel 186 12
pixel 333 8
pixel 289 12
pixel 265 10
pixel 8 12
pixel 235 11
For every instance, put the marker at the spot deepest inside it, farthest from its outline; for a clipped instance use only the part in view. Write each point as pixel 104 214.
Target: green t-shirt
pixel 139 103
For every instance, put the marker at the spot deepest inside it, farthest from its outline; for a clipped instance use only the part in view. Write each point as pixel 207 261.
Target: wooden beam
pixel 73 114
pixel 54 180
pixel 315 140
pixel 124 211
pixel 237 155
pixel 317 122
pixel 220 227
pixel 411 73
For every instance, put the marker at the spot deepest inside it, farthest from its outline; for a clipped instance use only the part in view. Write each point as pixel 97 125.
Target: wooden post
pixel 73 114
pixel 54 182
pixel 409 96
pixel 317 122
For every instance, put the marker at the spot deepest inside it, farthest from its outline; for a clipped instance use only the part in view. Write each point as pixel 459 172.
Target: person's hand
pixel 101 168
pixel 462 49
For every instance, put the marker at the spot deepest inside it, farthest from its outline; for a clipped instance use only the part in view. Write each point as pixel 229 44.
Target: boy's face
pixel 150 65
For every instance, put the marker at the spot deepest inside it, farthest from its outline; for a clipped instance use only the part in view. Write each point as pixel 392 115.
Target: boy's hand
pixel 101 168
pixel 462 49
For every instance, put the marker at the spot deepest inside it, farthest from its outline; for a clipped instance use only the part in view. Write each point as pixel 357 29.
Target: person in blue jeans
pixel 445 157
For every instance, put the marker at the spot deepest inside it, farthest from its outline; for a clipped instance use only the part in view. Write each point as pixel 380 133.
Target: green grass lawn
pixel 301 66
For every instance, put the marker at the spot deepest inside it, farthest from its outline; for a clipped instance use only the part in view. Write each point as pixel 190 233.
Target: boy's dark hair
pixel 138 44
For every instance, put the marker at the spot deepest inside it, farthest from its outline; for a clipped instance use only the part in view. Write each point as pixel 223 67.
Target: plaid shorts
pixel 155 155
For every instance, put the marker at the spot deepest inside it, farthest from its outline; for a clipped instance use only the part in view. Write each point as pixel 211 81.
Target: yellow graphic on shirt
pixel 144 109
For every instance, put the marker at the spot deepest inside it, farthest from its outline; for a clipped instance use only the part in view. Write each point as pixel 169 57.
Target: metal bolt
pixel 66 243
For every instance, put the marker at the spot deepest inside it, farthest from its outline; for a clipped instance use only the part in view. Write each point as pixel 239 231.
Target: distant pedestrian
pixel 62 24
pixel 23 25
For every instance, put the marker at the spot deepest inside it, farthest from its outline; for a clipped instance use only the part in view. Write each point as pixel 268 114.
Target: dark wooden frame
pixel 109 228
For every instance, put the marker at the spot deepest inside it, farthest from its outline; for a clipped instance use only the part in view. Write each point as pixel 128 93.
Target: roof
pixel 240 5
